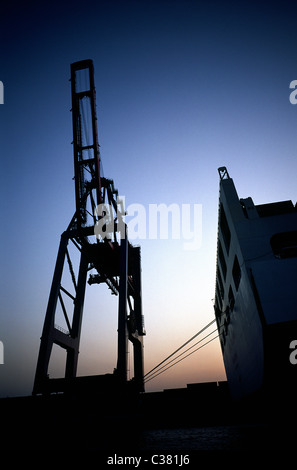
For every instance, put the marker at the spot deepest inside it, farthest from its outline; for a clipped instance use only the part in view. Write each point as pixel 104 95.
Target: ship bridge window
pixel 225 228
pixel 284 245
pixel 236 272
pixel 222 260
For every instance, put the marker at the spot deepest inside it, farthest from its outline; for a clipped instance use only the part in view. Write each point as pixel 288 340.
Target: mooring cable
pixel 178 349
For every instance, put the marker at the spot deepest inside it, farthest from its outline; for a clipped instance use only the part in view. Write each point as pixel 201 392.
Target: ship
pixel 256 293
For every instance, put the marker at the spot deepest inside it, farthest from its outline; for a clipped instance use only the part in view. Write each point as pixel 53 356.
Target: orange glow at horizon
pixel 205 365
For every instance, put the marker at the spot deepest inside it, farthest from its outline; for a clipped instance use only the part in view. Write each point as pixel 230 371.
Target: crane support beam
pixel 122 313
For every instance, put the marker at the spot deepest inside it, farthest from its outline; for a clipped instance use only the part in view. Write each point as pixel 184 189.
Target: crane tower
pixel 98 234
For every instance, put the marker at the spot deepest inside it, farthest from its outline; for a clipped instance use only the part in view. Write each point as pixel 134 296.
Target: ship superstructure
pixel 256 295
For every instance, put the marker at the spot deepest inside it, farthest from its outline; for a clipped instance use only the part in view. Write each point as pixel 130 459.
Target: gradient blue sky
pixel 183 87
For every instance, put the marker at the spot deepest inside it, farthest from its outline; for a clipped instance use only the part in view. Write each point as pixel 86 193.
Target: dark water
pixel 56 424
pixel 220 438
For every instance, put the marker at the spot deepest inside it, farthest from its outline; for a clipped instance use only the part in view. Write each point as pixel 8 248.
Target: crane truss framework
pixel 113 259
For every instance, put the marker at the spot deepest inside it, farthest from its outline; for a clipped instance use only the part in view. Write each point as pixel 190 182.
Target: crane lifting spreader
pixel 115 261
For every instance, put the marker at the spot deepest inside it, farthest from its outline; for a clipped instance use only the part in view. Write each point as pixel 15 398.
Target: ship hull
pixel 256 296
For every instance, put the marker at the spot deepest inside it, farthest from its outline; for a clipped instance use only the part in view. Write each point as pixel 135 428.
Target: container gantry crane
pixel 115 261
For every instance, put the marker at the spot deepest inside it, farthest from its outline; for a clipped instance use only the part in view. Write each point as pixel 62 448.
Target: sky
pixel 182 87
